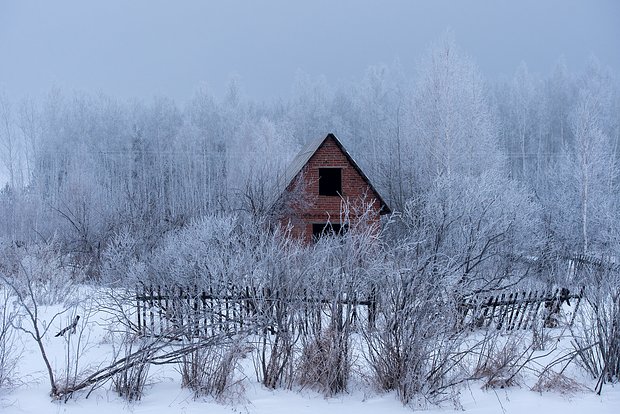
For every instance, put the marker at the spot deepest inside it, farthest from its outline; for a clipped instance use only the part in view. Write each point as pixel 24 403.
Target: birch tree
pixel 454 128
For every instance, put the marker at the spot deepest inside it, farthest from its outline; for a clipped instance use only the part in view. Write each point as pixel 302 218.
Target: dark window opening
pixel 330 181
pixel 328 230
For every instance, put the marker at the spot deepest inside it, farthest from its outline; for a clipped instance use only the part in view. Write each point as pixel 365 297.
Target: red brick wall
pixel 319 209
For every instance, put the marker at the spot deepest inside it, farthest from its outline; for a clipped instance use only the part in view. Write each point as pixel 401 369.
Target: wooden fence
pixel 168 310
pixel 519 310
pixel 584 265
pixel 181 311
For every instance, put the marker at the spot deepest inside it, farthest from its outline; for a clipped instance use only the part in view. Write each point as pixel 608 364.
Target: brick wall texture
pixel 307 207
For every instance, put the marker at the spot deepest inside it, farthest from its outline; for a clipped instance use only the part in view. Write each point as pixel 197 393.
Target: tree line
pixel 526 167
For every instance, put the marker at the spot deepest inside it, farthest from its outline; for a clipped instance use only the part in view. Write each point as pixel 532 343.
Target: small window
pixel 328 229
pixel 330 181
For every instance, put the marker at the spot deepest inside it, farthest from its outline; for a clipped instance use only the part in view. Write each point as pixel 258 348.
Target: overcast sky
pixel 143 48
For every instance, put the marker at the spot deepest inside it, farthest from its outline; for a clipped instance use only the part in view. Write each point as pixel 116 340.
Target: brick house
pixel 325 191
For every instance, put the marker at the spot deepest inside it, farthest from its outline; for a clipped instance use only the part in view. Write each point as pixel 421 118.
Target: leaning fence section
pixel 521 309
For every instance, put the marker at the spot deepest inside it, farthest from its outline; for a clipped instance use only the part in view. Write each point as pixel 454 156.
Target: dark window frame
pixel 330 181
pixel 328 229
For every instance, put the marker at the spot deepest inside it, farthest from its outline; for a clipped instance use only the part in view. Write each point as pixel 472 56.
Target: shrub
pixel 209 370
pixel 9 351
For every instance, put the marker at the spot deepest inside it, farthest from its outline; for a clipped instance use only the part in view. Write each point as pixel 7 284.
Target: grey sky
pixel 153 47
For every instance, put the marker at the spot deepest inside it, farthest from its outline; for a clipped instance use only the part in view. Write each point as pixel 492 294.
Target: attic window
pixel 328 229
pixel 330 181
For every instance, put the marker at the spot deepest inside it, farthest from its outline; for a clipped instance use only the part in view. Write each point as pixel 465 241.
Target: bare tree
pixel 28 304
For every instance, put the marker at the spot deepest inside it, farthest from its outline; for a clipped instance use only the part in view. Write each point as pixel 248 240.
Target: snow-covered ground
pixel 164 394
pixel 167 397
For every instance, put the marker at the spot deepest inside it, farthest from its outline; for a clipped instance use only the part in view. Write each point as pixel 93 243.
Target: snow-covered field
pixel 164 394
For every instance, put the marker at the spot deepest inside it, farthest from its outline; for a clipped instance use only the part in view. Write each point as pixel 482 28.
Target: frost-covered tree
pixel 454 133
pixel 525 147
pixel 10 152
pixel 582 197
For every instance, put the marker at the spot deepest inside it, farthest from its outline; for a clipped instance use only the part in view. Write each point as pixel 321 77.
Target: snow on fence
pixel 519 310
pixel 176 311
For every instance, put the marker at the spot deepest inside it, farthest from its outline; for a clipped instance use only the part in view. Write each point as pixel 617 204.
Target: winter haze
pixel 276 207
pixel 143 48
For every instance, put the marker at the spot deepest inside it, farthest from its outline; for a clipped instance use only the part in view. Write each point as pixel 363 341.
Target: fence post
pixel 196 313
pixel 581 293
pixel 372 307
pixel 159 310
pixel 139 310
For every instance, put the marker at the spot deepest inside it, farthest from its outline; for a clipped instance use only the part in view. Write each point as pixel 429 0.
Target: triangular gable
pixel 300 161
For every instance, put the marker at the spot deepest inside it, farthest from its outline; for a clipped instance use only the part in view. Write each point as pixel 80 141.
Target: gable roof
pixel 302 158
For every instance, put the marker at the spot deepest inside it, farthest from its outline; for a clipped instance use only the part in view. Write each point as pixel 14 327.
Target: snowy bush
pixel 596 335
pixel 412 347
pixel 209 370
pixel 9 350
pixel 326 360
pixel 499 359
pixel 120 264
pixel 131 379
pixel 48 272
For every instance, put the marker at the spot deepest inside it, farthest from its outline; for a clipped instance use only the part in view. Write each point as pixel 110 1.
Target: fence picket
pixel 228 309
